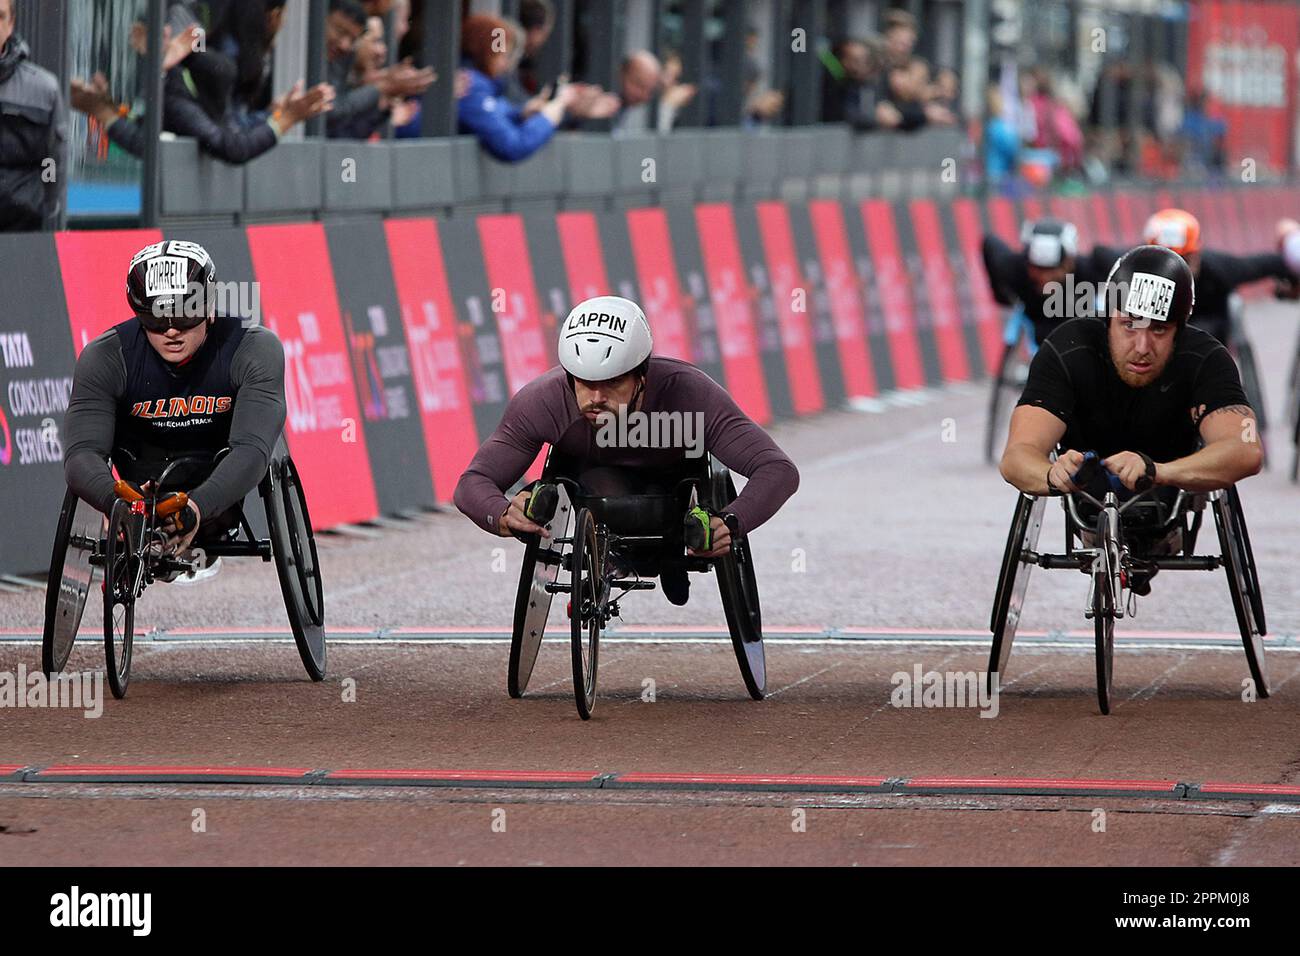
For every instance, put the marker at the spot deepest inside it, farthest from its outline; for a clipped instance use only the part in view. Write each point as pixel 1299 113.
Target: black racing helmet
pixel 171 283
pixel 1049 242
pixel 1151 284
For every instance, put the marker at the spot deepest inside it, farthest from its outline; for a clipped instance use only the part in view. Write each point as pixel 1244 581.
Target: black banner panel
pixel 381 365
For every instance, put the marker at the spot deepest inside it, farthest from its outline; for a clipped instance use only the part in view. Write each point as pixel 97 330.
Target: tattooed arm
pixel 1231 452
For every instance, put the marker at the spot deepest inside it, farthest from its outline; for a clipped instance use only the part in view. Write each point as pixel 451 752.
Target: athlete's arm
pixel 506 455
pixel 257 373
pixel 998 263
pixel 1037 426
pixel 1231 452
pixel 91 421
pixel 745 448
pixel 1243 270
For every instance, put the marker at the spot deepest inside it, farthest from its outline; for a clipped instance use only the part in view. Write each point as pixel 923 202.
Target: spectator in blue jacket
pixel 490 49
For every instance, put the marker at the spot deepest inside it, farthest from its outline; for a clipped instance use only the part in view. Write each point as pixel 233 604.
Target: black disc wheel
pixel 738 588
pixel 1243 583
pixel 1013 581
pixel 121 584
pixel 585 610
pixel 293 547
pixel 543 558
pixel 77 539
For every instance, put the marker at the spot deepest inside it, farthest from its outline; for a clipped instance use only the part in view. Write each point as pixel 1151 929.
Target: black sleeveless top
pixel 169 411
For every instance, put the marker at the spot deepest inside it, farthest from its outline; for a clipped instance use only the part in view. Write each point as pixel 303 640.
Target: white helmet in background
pixel 603 338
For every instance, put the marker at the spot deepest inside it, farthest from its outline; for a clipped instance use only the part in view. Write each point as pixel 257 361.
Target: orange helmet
pixel 1174 229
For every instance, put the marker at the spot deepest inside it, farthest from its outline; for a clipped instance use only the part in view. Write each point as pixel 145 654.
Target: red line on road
pixel 493 776
pixel 1260 789
pixel 119 770
pixel 749 779
pixel 1036 783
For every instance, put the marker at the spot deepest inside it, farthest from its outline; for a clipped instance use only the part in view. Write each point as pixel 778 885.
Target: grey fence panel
pixel 424 173
pixel 286 180
pixel 358 176
pixel 799 154
pixel 196 184
pixel 683 164
pixel 832 148
pixel 874 152
pixel 541 174
pixel 469 187
pixel 631 171
pixel 588 163
pixel 723 155
pixel 760 166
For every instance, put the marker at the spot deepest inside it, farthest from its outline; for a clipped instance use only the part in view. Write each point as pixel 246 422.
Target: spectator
pixel 537 17
pixel 244 31
pixel 852 91
pixel 673 93
pixel 900 37
pixel 947 92
pixel 1001 145
pixel 763 105
pixel 490 49
pixel 192 109
pixel 1055 128
pixel 1203 136
pixel 906 97
pixel 368 89
pixel 32 135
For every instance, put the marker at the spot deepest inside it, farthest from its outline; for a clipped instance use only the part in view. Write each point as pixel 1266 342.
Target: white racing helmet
pixel 603 338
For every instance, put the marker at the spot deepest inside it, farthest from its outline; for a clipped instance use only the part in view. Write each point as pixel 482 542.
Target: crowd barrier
pixel 405 337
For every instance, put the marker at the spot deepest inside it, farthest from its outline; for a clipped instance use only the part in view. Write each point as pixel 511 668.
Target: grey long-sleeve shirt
pixel 99 389
pixel 546 412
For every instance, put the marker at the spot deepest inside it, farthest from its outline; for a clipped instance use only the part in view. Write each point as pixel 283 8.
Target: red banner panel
pixel 894 292
pixel 513 299
pixel 1107 234
pixel 945 313
pixel 788 285
pixel 1002 221
pixel 845 296
pixel 424 297
pixel 1129 217
pixel 300 305
pixel 583 260
pixel 661 292
pixel 1074 209
pixel 733 309
pixel 1242 56
pixel 1032 208
pixel 988 314
pixel 93 266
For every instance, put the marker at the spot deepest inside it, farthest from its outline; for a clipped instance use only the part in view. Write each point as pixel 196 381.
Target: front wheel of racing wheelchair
pixel 120 552
pixel 591 583
pixel 1110 566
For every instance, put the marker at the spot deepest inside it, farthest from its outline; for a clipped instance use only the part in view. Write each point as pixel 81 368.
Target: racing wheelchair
pixel 1115 539
pixel 608 546
pixel 125 552
pixel 1018 348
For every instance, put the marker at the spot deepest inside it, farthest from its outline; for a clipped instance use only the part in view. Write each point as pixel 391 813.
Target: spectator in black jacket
pixel 852 93
pixel 197 103
pixel 367 89
pixel 32 135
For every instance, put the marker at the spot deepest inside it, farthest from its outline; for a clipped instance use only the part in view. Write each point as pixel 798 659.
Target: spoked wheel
pixel 542 560
pixel 739 590
pixel 121 580
pixel 293 546
pixel 1243 583
pixel 1013 580
pixel 1007 387
pixel 1105 592
pixel 586 597
pixel 71 576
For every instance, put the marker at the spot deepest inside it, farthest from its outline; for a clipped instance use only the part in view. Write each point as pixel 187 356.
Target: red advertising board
pixel 583 260
pixel 1002 221
pixel 894 292
pixel 945 317
pixel 1129 217
pixel 988 314
pixel 656 272
pixel 513 299
pixel 429 318
pixel 845 297
pixel 789 292
pixel 93 265
pixel 300 305
pixel 1241 55
pixel 1107 234
pixel 733 309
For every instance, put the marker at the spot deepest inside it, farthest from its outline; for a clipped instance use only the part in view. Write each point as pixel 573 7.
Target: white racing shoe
pixel 210 568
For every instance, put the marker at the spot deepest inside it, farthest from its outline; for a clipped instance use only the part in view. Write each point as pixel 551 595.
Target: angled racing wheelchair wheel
pixel 586 609
pixel 121 582
pixel 738 588
pixel 293 547
pixel 1243 583
pixel 543 558
pixel 1013 580
pixel 78 538
pixel 1105 581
